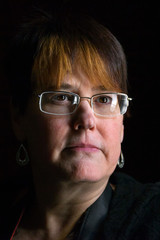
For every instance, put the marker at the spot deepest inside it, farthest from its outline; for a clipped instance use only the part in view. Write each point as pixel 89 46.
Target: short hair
pixel 48 46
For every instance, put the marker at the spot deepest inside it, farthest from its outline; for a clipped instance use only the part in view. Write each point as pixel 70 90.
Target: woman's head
pixel 73 54
pixel 49 47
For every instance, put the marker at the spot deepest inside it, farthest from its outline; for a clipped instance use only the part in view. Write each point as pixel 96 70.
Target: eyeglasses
pixel 108 104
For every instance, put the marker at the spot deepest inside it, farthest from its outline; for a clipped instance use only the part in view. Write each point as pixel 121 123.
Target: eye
pixel 104 99
pixel 55 98
pixel 60 97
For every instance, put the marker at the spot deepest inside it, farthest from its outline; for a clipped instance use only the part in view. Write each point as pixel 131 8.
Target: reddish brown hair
pixel 48 47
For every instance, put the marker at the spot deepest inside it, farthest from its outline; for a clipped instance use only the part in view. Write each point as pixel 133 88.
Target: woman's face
pixel 78 147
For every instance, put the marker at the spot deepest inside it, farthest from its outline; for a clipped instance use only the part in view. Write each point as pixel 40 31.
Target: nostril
pixel 79 125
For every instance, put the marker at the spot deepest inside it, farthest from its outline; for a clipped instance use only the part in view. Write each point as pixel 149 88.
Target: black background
pixel 136 24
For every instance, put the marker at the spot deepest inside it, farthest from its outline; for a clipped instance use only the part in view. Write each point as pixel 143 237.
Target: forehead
pixel 79 81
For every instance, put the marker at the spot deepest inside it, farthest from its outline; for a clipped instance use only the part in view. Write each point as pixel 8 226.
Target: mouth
pixel 83 148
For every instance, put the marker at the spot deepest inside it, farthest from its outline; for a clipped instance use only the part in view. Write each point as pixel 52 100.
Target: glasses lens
pixel 58 103
pixel 110 104
pixel 123 103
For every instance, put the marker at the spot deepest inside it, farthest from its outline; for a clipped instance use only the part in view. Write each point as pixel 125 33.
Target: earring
pixel 121 161
pixel 22 157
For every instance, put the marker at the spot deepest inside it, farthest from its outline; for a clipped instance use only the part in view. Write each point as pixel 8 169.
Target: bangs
pixel 58 56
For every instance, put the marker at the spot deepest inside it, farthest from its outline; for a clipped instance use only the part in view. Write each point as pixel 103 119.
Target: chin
pixel 84 168
pixel 88 173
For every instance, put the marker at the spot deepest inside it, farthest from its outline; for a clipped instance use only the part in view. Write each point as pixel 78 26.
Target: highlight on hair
pixel 49 47
pixel 59 57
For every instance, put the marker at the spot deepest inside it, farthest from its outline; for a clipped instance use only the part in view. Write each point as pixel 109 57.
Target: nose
pixel 84 117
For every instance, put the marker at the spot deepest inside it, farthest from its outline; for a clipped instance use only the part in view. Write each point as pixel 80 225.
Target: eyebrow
pixel 101 87
pixel 67 86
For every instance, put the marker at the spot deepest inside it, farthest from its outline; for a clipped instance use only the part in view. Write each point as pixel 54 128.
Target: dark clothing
pixel 134 212
pixel 130 212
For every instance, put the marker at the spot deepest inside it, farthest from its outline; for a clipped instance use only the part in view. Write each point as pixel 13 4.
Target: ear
pixel 122 133
pixel 18 122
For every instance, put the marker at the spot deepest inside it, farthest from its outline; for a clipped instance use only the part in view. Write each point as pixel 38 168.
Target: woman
pixel 69 95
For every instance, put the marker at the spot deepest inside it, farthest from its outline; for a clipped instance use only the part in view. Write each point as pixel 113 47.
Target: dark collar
pixel 93 218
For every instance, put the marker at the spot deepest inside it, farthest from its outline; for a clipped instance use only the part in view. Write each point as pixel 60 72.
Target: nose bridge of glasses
pixel 88 99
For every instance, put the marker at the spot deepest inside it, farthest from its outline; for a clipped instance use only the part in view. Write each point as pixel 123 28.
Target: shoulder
pixel 134 209
pixel 128 185
pixel 135 195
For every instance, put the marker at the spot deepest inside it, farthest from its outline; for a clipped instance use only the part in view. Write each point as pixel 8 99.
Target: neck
pixel 61 204
pixel 68 193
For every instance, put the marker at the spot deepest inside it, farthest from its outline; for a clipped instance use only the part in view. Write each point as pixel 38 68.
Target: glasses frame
pixel 79 100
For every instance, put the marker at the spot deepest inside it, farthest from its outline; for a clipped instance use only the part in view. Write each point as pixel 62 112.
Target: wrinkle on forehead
pixel 76 80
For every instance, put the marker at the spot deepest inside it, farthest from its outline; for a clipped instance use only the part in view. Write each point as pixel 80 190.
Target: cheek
pixel 112 134
pixel 46 136
pixel 112 129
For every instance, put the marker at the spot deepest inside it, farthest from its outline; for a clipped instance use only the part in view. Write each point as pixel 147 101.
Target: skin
pixel 72 158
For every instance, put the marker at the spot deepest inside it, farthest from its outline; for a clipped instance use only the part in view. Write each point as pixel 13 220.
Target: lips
pixel 81 147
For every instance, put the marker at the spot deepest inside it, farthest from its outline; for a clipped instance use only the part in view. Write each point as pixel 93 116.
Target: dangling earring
pixel 22 157
pixel 121 161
